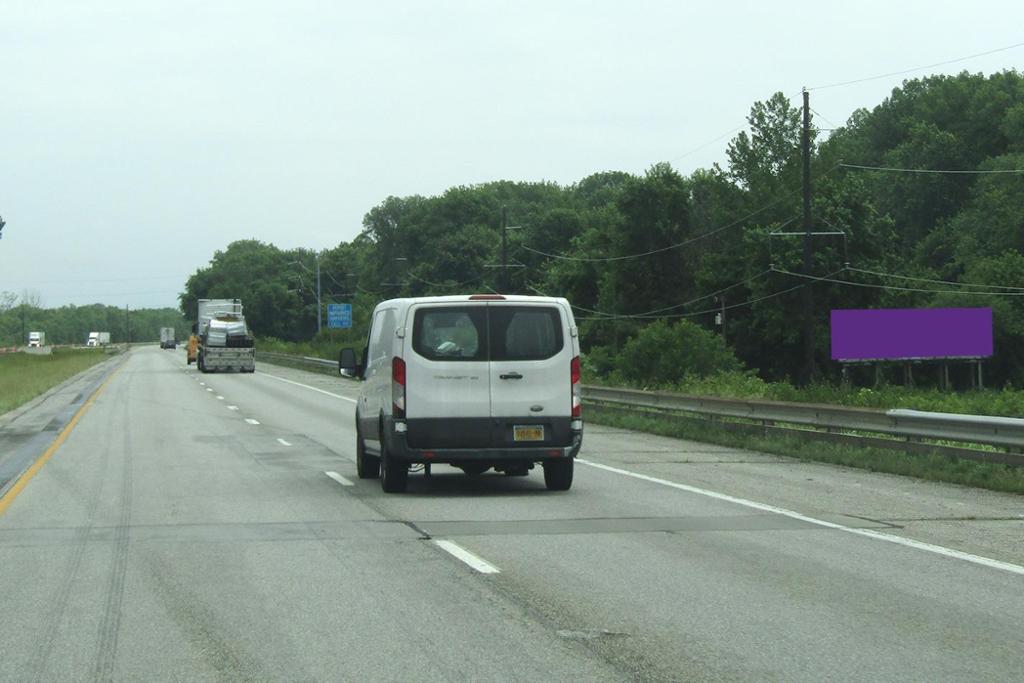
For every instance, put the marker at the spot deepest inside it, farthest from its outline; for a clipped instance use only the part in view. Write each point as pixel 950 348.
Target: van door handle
pixel 511 375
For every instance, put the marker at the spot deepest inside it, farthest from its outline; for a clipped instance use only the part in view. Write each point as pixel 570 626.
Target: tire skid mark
pixel 110 625
pixel 58 607
pixel 209 635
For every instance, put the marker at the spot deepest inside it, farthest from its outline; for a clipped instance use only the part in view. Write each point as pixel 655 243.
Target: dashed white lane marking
pixel 460 553
pixel 202 384
pixel 209 389
pixel 306 386
pixel 232 407
pixel 284 443
pixel 220 398
pixel 252 421
pixel 338 478
pixel 868 533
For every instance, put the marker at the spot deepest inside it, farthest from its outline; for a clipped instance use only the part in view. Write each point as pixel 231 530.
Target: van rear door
pixel 447 391
pixel 531 390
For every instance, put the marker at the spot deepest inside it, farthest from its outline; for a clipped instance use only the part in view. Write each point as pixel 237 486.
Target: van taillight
pixel 397 387
pixel 577 392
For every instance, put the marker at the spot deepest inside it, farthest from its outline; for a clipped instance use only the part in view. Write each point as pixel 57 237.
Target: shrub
pixel 665 354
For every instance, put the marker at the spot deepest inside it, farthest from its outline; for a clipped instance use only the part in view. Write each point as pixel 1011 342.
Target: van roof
pixel 481 297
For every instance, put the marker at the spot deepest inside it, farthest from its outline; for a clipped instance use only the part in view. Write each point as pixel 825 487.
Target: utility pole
pixel 809 371
pixel 318 306
pixel 127 326
pixel 504 249
pixel 721 318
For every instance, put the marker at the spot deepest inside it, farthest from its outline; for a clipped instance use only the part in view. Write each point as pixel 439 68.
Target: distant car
pixel 475 381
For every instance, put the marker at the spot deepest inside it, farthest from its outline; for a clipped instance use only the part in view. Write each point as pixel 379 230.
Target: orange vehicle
pixel 192 350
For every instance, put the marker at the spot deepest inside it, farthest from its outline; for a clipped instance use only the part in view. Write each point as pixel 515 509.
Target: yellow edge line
pixel 26 477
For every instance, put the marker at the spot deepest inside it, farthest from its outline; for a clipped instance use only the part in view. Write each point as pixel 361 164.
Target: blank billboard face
pixel 904 333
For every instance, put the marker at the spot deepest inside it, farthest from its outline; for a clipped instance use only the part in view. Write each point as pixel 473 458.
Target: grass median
pixel 933 467
pixel 24 376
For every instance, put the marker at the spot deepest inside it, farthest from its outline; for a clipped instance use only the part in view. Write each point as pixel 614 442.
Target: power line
pixel 709 143
pixel 899 289
pixel 928 170
pixel 917 68
pixel 328 274
pixel 606 259
pixel 653 313
pixel 717 309
pixel 825 119
pixel 938 282
pixel 446 284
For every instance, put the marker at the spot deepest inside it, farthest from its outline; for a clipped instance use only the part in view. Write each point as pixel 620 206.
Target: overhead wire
pixel 446 284
pixel 749 302
pixel 931 281
pixel 930 170
pixel 695 238
pixel 828 278
pixel 709 143
pixel 916 68
pixel 653 313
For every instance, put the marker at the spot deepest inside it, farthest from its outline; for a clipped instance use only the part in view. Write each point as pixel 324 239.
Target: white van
pixel 475 381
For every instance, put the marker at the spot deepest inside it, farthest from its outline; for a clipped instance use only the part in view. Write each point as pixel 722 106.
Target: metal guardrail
pixel 318 363
pixel 912 426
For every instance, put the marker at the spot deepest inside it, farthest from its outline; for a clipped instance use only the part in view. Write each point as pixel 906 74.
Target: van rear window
pixel 524 332
pixel 499 333
pixel 451 333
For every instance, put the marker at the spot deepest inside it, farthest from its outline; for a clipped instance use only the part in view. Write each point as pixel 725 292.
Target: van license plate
pixel 527 433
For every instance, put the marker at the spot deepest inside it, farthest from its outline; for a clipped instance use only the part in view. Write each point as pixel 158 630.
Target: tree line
pixel 21 314
pixel 923 195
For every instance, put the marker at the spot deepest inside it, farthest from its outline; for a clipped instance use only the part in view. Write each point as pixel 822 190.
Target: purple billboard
pixel 906 333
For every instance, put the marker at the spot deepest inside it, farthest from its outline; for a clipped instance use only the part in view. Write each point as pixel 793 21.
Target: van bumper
pixel 395 437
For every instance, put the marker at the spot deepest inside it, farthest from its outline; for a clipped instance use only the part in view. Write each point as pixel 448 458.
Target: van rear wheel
pixel 558 474
pixel 394 475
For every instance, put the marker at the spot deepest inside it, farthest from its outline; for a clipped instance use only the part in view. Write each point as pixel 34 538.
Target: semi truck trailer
pixel 167 338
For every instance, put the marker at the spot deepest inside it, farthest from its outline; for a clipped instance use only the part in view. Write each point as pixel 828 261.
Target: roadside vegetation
pixel 24 376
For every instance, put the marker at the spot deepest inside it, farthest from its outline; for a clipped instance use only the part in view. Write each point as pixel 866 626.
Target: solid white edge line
pixel 867 533
pixel 252 421
pixel 306 386
pixel 283 442
pixel 338 478
pixel 460 553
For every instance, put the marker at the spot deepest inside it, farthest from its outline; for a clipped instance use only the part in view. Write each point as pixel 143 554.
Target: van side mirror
pixel 348 364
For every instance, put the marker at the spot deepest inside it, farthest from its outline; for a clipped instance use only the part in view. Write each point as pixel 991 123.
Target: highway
pixel 212 527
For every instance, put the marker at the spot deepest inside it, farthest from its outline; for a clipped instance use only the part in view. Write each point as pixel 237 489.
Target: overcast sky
pixel 138 137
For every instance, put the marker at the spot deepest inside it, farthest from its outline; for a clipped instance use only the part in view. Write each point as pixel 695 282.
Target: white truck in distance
pixel 167 338
pixel 36 340
pixel 98 339
pixel 224 339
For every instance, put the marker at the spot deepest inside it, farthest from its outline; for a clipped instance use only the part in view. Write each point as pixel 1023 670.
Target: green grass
pixel 940 468
pixel 316 349
pixel 1006 402
pixel 24 376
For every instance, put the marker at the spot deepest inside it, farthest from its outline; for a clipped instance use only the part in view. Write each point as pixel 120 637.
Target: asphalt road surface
pixel 212 527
